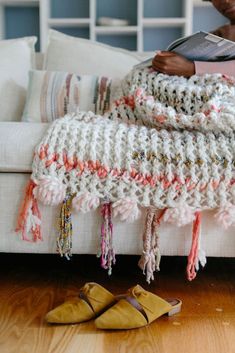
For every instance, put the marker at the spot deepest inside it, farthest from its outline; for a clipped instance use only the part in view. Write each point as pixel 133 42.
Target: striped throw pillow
pixel 52 94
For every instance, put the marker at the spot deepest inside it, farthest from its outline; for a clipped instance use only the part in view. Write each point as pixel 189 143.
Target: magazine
pixel 200 46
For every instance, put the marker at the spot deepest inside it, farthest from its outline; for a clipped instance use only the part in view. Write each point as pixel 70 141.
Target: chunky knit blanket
pixel 167 145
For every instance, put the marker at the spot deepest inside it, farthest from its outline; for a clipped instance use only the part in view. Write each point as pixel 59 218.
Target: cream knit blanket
pixel 167 143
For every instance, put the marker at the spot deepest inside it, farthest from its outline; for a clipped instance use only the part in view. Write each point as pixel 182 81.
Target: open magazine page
pixel 145 63
pixel 201 46
pixel 178 42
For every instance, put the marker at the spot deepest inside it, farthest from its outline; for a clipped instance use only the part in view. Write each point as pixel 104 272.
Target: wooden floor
pixel 31 285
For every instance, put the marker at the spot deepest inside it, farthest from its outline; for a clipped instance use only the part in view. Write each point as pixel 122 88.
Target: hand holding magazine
pixel 200 46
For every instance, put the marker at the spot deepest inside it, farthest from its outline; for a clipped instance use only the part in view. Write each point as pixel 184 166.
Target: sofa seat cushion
pixel 17 143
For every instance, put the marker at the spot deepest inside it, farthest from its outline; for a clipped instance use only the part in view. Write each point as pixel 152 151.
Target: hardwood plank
pixel 30 285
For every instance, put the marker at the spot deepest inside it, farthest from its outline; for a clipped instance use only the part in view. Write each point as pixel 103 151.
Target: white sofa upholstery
pixel 17 142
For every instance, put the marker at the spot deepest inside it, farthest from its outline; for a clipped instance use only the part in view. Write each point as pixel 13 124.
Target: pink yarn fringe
pixel 107 252
pixel 150 259
pixel 29 205
pixel 193 255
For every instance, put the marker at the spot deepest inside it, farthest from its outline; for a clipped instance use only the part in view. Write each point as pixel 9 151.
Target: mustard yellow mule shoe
pixel 136 309
pixel 92 299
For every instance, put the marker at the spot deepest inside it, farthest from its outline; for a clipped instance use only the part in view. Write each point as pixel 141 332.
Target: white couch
pixel 17 142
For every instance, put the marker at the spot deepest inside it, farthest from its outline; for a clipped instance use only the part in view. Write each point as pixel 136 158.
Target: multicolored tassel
pixel 29 218
pixel 64 240
pixel 106 249
pixel 150 259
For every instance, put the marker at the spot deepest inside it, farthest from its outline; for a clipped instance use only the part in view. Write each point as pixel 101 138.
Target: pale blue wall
pixel 21 21
pixel 24 21
pixel 68 8
pixel 118 9
pixel 163 8
pixel 159 38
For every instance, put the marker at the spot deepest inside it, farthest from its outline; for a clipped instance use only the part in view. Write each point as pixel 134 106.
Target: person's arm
pixel 222 67
pixel 171 63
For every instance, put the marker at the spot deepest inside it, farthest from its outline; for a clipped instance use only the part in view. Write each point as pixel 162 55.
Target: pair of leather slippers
pixel 136 308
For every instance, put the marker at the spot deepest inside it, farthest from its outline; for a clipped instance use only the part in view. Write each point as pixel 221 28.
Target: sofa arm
pixel 17 143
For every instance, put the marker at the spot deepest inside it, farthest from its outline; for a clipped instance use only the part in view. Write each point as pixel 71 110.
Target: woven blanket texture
pixel 166 144
pixel 203 103
pixel 112 160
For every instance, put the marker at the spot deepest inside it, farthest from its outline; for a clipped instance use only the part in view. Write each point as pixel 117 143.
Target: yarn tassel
pixel 106 250
pixel 64 240
pixel 150 259
pixel 29 218
pixel 193 255
pixel 201 259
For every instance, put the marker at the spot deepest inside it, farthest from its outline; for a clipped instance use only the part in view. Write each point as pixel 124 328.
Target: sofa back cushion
pixel 72 54
pixel 17 57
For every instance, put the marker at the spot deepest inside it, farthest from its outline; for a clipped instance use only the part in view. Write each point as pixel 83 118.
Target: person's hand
pixel 227 32
pixel 171 63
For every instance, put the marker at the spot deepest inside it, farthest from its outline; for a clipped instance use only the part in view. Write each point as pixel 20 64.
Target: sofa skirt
pixel 86 229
